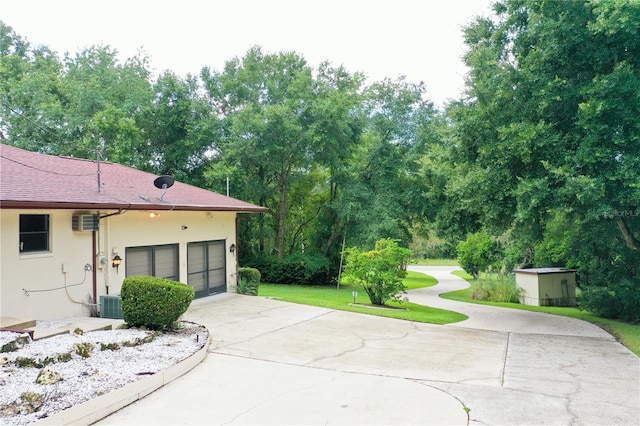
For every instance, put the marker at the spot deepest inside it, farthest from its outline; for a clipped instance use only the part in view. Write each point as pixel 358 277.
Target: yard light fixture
pixel 116 261
pixel 232 248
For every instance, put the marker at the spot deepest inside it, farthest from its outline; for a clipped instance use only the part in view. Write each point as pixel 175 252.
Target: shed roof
pixel 541 271
pixel 33 180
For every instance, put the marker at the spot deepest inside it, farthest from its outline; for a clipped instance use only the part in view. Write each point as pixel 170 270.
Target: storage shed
pixel 547 286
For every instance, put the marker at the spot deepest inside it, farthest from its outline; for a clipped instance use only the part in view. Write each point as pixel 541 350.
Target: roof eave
pixel 115 206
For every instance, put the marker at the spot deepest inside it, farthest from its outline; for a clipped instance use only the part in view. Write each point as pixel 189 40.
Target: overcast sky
pixel 421 39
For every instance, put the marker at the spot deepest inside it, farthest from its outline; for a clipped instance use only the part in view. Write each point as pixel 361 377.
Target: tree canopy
pixel 540 156
pixel 543 151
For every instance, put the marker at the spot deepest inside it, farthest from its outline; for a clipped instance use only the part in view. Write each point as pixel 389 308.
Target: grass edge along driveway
pixel 627 334
pixel 342 299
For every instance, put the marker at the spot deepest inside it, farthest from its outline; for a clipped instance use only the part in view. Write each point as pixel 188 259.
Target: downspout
pixel 237 253
pixel 94 266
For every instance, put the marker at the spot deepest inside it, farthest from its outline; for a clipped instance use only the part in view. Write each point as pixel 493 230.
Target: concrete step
pixel 16 323
pixel 44 329
pixel 43 332
pixel 87 324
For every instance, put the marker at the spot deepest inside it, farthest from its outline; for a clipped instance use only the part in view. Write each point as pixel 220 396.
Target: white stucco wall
pixel 529 282
pixel 545 289
pixel 44 275
pixel 137 228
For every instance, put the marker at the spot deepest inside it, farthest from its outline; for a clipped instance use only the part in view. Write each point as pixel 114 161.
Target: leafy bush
pixel 497 288
pixel 249 281
pixel 477 253
pixel 249 274
pixel 379 271
pixel 155 303
pixel 621 301
pixel 249 288
pixel 297 268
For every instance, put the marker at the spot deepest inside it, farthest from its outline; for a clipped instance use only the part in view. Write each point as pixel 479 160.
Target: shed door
pixel 206 267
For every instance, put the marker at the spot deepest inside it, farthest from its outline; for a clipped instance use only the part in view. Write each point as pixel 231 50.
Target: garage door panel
pixel 206 267
pixel 158 261
pixel 216 255
pixel 196 254
pixel 138 262
pixel 165 262
pixel 198 281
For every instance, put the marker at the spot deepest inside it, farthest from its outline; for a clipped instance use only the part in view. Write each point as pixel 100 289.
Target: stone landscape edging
pixel 98 408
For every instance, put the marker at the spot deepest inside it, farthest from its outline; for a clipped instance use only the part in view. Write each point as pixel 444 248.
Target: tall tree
pixel 383 194
pixel 105 101
pixel 263 99
pixel 547 138
pixel 85 103
pixel 337 121
pixel 180 131
pixel 31 93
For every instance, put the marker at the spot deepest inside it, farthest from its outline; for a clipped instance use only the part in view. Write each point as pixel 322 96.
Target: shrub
pixel 248 281
pixel 379 271
pixel 297 268
pixel 155 303
pixel 249 288
pixel 620 301
pixel 476 253
pixel 249 274
pixel 497 288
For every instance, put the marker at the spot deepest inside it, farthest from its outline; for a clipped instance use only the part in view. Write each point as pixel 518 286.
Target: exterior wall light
pixel 116 261
pixel 232 248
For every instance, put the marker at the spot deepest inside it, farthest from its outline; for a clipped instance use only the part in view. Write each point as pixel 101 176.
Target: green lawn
pixel 342 299
pixel 627 334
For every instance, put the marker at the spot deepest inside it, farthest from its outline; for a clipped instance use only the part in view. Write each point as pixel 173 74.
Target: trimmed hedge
pixel 249 274
pixel 155 303
pixel 248 281
pixel 297 268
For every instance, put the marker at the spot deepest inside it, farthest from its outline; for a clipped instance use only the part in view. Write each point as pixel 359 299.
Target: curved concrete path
pixel 272 362
pixel 482 317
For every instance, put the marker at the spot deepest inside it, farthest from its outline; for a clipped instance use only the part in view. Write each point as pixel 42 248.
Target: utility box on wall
pixel 547 286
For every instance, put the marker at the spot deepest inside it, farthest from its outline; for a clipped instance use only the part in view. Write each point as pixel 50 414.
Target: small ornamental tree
pixel 477 253
pixel 379 271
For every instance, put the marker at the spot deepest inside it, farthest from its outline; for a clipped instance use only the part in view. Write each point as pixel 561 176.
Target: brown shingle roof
pixel 32 180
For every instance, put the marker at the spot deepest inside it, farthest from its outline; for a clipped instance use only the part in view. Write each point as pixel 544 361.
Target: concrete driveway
pixel 272 362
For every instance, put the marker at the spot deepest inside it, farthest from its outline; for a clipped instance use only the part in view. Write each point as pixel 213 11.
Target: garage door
pixel 206 267
pixel 158 261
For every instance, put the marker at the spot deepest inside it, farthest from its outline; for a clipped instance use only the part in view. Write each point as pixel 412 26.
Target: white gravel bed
pixel 86 378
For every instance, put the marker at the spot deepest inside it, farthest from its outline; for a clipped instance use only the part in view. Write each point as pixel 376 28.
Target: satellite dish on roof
pixel 164 182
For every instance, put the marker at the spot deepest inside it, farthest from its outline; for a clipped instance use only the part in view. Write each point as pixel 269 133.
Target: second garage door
pixel 206 267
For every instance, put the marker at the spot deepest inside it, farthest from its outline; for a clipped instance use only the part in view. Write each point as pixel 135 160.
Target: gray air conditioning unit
pixel 85 222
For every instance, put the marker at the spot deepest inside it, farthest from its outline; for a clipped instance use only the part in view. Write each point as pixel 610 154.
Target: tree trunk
pixel 631 240
pixel 332 237
pixel 262 203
